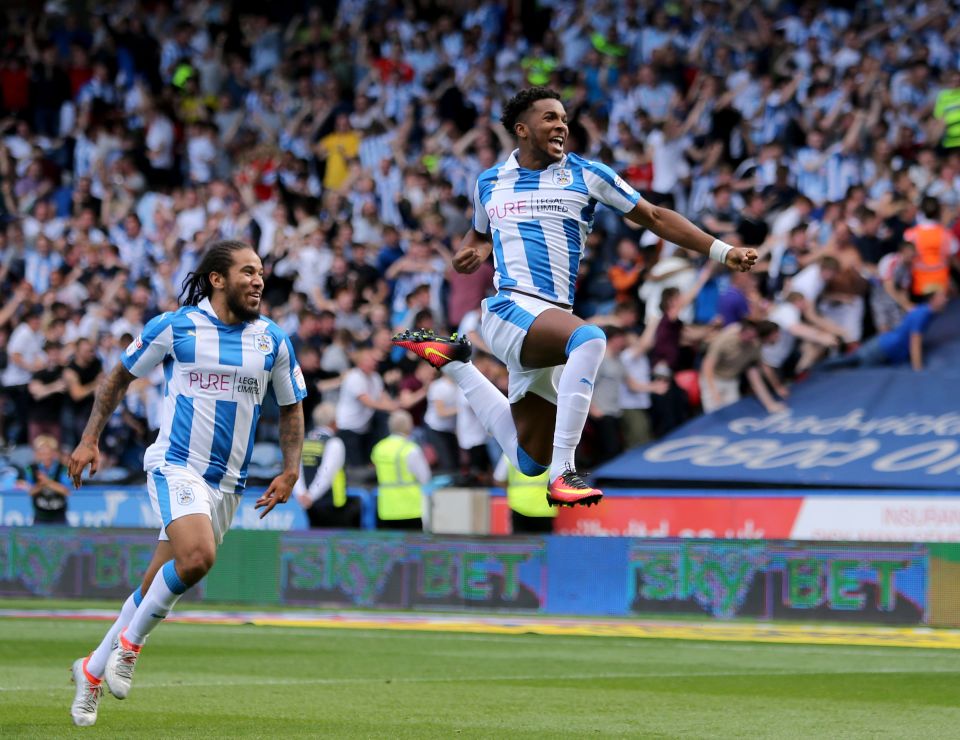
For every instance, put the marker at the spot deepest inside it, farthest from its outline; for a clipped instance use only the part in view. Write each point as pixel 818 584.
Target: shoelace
pixel 91 698
pixel 128 659
pixel 573 479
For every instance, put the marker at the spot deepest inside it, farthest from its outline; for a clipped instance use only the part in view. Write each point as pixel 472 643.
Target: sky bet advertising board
pixel 893 584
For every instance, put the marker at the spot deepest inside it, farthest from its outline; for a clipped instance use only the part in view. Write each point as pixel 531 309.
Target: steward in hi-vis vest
pixel 322 487
pixel 527 497
pixel 402 470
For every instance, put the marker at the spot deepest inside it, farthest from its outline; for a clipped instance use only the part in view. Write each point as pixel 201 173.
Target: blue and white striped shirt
pixel 216 378
pixel 539 220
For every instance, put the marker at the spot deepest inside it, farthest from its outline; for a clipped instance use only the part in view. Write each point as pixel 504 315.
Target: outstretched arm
pixel 105 402
pixel 291 445
pixel 673 227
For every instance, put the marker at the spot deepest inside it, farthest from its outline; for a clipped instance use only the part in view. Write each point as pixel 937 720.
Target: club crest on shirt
pixel 562 177
pixel 263 343
pixel 185 495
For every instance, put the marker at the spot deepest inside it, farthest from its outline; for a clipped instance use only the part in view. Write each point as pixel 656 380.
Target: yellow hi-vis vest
pixel 528 495
pixel 947 108
pixel 399 495
pixel 313 447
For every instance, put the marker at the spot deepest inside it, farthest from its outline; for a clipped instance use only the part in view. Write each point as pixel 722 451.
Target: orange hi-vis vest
pixel 931 269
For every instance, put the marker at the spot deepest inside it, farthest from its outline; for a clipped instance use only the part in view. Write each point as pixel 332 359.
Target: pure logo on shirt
pixel 135 345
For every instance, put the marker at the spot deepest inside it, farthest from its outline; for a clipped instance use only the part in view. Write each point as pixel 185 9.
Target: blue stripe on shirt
pixel 231 346
pixel 527 181
pixel 167 375
pixel 571 227
pixel 485 184
pixel 185 339
pixel 538 257
pixel 223 425
pixel 242 481
pixel 181 427
pixel 505 280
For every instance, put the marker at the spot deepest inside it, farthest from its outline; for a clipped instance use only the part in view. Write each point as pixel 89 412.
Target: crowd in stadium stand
pixel 344 142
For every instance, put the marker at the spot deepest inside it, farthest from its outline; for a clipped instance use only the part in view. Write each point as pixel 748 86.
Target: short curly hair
pixel 521 102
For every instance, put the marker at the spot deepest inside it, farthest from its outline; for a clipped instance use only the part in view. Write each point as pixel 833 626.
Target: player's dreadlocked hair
pixel 218 258
pixel 519 103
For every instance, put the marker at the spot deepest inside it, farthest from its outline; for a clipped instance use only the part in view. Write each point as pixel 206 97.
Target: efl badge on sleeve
pixel 263 343
pixel 618 181
pixel 298 377
pixel 562 177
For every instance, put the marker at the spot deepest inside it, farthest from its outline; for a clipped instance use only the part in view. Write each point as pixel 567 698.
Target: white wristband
pixel 719 251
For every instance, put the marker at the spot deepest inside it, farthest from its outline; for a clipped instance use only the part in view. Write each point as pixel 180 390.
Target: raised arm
pixel 673 227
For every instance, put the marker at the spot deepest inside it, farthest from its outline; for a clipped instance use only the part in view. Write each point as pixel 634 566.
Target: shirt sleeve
pixel 607 187
pixel 334 455
pixel 418 465
pixel 287 377
pixel 150 347
pixel 480 221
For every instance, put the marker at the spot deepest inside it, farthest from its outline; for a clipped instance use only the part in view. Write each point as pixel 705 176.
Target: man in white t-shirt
pixel 159 141
pixel 362 394
pixel 440 420
pixel 24 358
pixel 788 315
pixel 810 282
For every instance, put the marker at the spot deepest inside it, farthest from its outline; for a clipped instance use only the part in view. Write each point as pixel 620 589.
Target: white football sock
pixel 489 404
pixel 157 603
pixel 574 394
pixel 98 659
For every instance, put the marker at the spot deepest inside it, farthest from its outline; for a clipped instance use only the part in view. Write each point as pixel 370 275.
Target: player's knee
pixel 586 333
pixel 195 564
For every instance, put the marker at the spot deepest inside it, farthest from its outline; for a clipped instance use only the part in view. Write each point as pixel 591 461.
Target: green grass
pixel 211 681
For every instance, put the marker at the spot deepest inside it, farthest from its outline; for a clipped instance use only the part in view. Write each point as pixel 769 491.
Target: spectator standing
pixel 440 420
pixel 24 358
pixel 81 376
pixel 402 471
pixel 47 393
pixel 47 481
pixel 322 487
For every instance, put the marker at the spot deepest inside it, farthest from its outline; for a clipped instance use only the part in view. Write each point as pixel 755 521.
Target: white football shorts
pixel 176 491
pixel 505 320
